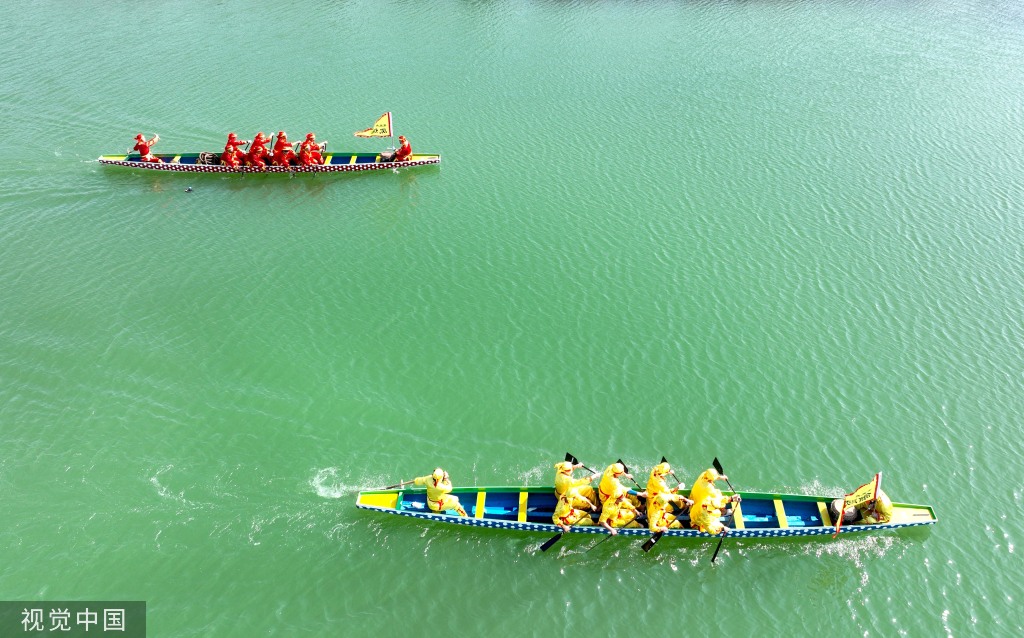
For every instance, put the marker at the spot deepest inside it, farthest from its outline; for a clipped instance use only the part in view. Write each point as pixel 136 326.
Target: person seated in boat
pixel 611 485
pixel 876 511
pixel 656 483
pixel 143 146
pixel 568 512
pixel 232 156
pixel 283 153
pixel 704 486
pixel 258 154
pixel 564 481
pixel 404 152
pixel 618 511
pixel 439 497
pixel 706 516
pixel 664 510
pixel 309 151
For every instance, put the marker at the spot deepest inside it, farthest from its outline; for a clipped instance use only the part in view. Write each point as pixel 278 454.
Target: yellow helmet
pixel 618 468
pixel 661 469
pixel 438 475
pixel 710 475
pixel 564 467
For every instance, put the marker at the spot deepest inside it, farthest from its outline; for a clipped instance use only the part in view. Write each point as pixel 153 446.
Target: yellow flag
pixel 859 496
pixel 864 493
pixel 380 128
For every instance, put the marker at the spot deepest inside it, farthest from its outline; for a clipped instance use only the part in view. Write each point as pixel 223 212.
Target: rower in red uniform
pixel 309 151
pixel 142 146
pixel 404 153
pixel 258 155
pixel 283 153
pixel 231 155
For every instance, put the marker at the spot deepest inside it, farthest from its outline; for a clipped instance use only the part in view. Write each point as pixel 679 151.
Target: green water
pixel 786 234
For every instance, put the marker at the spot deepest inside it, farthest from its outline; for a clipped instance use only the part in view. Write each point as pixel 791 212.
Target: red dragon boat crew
pixel 258 155
pixel 283 153
pixel 404 152
pixel 232 156
pixel 439 487
pixel 309 151
pixel 142 146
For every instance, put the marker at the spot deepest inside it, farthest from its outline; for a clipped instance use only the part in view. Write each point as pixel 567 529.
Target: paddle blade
pixel 718 466
pixel 715 555
pixel 569 457
pixel 651 541
pixel 551 541
pixel 664 460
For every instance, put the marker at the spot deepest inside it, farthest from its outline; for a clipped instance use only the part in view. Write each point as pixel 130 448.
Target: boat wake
pixel 327 484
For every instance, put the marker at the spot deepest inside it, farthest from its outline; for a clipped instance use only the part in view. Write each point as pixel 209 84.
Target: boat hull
pixel 333 163
pixel 529 509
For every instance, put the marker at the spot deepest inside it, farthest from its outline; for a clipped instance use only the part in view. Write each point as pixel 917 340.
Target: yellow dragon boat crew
pixel 568 514
pixel 618 511
pixel 664 509
pixel 439 498
pixel 704 487
pixel 611 486
pixel 564 481
pixel 706 517
pixel 876 511
pixel 656 484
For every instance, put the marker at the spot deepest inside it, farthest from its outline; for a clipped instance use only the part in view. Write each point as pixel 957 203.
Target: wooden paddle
pixel 551 541
pixel 637 516
pixel 392 487
pixel 575 461
pixel 718 468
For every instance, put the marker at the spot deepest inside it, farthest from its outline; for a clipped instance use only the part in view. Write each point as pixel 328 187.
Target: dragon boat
pixel 210 163
pixel 529 509
pixel 340 162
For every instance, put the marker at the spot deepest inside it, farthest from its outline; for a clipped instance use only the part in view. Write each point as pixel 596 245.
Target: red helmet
pixel 280 134
pixel 231 136
pixel 310 136
pixel 139 137
pixel 401 137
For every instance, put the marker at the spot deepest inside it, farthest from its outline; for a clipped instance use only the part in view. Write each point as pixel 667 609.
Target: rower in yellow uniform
pixel 657 484
pixel 876 511
pixel 564 481
pixel 611 486
pixel 705 517
pixel 664 510
pixel 704 487
pixel 567 513
pixel 664 503
pixel 618 511
pixel 439 497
